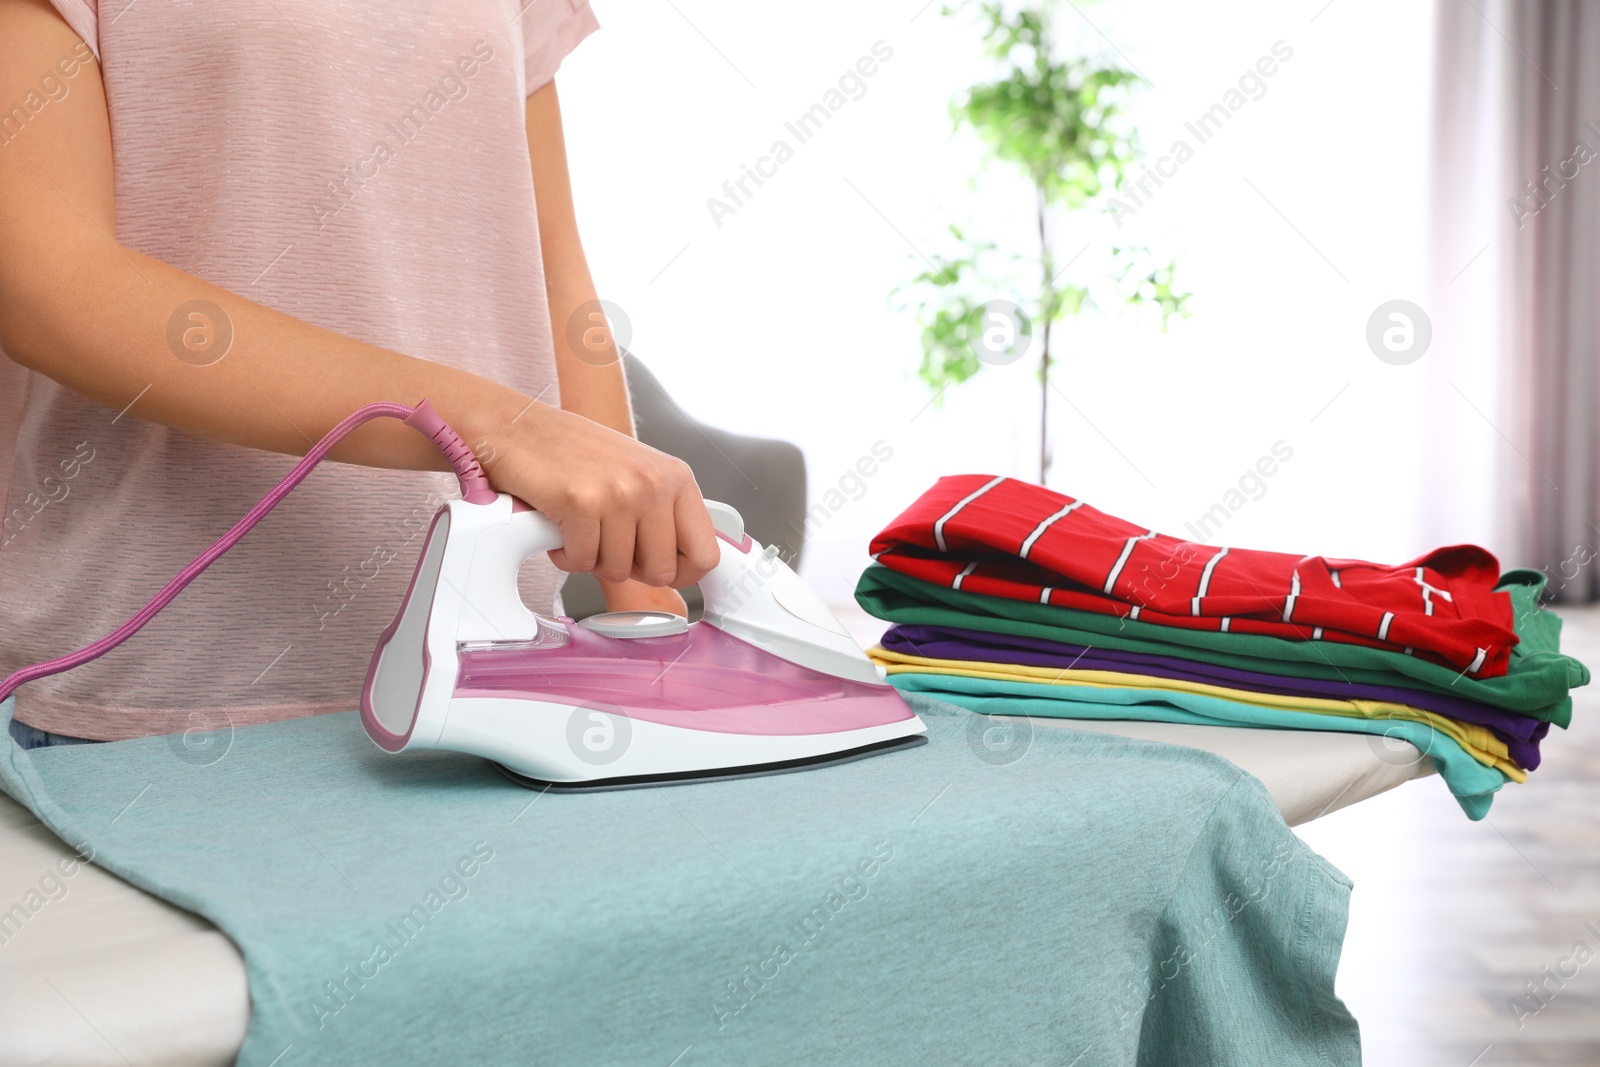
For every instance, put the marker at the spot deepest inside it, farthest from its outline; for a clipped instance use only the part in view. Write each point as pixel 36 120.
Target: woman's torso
pixel 363 167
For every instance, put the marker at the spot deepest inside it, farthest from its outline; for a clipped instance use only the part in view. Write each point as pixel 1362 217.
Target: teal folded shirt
pixel 1088 900
pixel 1470 782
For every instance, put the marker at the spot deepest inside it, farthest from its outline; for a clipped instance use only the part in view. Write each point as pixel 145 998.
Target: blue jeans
pixel 28 737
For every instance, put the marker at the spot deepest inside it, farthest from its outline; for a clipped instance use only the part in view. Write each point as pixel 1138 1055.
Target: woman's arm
pixel 592 384
pixel 92 314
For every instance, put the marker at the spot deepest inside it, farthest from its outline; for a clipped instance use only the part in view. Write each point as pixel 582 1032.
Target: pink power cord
pixel 475 489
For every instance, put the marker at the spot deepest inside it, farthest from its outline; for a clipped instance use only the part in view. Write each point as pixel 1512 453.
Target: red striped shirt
pixel 1000 537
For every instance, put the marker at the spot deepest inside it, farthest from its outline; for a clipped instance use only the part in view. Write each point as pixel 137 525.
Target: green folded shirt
pixel 1470 782
pixel 1536 683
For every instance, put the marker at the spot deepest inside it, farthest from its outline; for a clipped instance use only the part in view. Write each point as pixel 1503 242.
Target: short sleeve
pixel 551 29
pixel 84 17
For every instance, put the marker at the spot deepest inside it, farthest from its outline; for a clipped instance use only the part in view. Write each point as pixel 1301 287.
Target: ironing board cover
pixel 1074 897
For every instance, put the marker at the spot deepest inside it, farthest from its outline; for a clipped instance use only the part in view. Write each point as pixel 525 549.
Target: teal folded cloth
pixel 1470 782
pixel 1072 898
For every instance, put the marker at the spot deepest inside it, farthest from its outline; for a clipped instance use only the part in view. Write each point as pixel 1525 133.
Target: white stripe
pixel 1335 576
pixel 1427 593
pixel 1383 628
pixel 1038 531
pixel 1044 595
pixel 1477 662
pixel 1316 633
pixel 1205 580
pixel 1134 613
pixel 956 583
pixel 1225 622
pixel 1408 650
pixel 1122 560
pixel 938 527
pixel 1294 593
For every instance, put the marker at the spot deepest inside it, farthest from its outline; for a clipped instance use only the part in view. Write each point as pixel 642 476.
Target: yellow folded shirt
pixel 1479 742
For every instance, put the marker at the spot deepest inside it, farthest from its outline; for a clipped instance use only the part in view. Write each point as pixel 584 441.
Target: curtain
pixel 1514 284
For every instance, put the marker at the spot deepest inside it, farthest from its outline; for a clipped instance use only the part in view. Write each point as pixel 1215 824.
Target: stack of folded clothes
pixel 1010 598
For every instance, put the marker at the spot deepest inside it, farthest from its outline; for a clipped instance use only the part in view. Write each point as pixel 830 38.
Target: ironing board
pixel 105 963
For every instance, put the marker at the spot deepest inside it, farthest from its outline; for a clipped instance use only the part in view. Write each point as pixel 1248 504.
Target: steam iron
pixel 767 681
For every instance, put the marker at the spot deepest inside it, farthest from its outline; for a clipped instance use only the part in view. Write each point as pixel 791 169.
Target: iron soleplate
pixel 639 781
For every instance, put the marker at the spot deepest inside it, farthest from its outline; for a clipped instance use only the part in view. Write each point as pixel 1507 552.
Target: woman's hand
pixel 626 511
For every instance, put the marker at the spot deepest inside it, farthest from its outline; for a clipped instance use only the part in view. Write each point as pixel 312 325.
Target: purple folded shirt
pixel 1521 733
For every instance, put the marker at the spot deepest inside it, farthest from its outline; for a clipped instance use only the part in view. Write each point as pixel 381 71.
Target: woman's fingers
pixel 655 551
pixel 695 540
pixel 580 543
pixel 617 530
pixel 625 510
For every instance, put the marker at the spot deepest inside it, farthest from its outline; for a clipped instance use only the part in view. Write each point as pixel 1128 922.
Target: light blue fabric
pixel 1470 782
pixel 999 895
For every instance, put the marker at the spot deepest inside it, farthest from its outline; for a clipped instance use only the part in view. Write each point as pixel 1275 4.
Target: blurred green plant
pixel 1061 122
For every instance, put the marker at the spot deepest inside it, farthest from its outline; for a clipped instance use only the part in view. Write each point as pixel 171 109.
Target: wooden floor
pixel 1450 918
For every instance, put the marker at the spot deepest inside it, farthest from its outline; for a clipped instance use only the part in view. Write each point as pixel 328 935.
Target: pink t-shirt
pixel 359 165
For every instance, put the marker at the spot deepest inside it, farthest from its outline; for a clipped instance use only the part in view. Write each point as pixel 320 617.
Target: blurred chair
pixel 764 478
